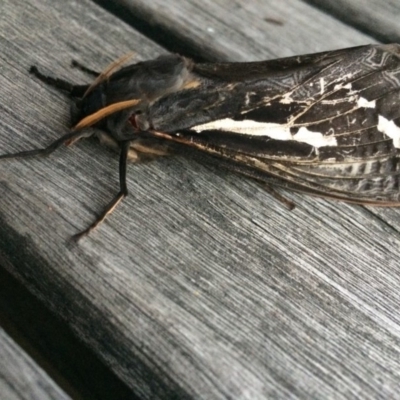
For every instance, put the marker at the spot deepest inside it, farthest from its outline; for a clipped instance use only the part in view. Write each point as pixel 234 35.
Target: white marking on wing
pixel 322 85
pixel 367 165
pixel 248 127
pixel 274 131
pixel 362 102
pixel 390 129
pixel 340 85
pixel 350 99
pixel 316 139
pixel 286 99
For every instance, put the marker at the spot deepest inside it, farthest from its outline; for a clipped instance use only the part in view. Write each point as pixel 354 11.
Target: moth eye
pixel 133 120
pixel 139 120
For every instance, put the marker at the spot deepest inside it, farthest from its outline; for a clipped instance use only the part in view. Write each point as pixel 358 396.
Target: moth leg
pixel 61 84
pixel 141 150
pixel 123 192
pixel 286 202
pixel 151 148
pixel 70 136
pixel 268 188
pixel 106 73
pixel 77 64
pixel 108 70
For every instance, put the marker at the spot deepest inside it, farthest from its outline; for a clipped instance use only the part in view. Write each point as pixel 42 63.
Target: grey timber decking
pixel 200 285
pixel 21 377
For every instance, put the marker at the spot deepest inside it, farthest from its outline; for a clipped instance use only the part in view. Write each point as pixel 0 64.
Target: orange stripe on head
pixel 103 113
pixel 108 71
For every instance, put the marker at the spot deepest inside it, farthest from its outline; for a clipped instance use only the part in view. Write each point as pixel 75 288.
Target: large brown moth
pixel 327 124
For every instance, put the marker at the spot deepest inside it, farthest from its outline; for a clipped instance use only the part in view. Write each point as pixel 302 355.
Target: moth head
pixel 85 106
pixel 124 97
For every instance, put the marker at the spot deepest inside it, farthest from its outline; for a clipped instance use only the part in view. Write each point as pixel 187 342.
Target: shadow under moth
pixel 326 124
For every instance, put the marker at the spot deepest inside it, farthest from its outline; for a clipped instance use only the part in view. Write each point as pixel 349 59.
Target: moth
pixel 326 124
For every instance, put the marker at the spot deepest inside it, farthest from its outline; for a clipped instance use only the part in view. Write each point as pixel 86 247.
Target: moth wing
pixel 327 124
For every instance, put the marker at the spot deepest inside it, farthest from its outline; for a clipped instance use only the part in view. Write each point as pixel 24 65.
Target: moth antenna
pixel 77 64
pixel 104 112
pixel 123 192
pixel 107 72
pixel 70 136
pixel 61 84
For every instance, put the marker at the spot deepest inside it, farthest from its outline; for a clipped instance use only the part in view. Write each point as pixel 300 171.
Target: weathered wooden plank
pixel 378 18
pixel 49 340
pixel 200 284
pixel 243 30
pixel 21 377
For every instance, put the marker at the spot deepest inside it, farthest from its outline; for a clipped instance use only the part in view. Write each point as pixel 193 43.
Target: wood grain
pixel 200 285
pixel 21 377
pixel 378 18
pixel 244 30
